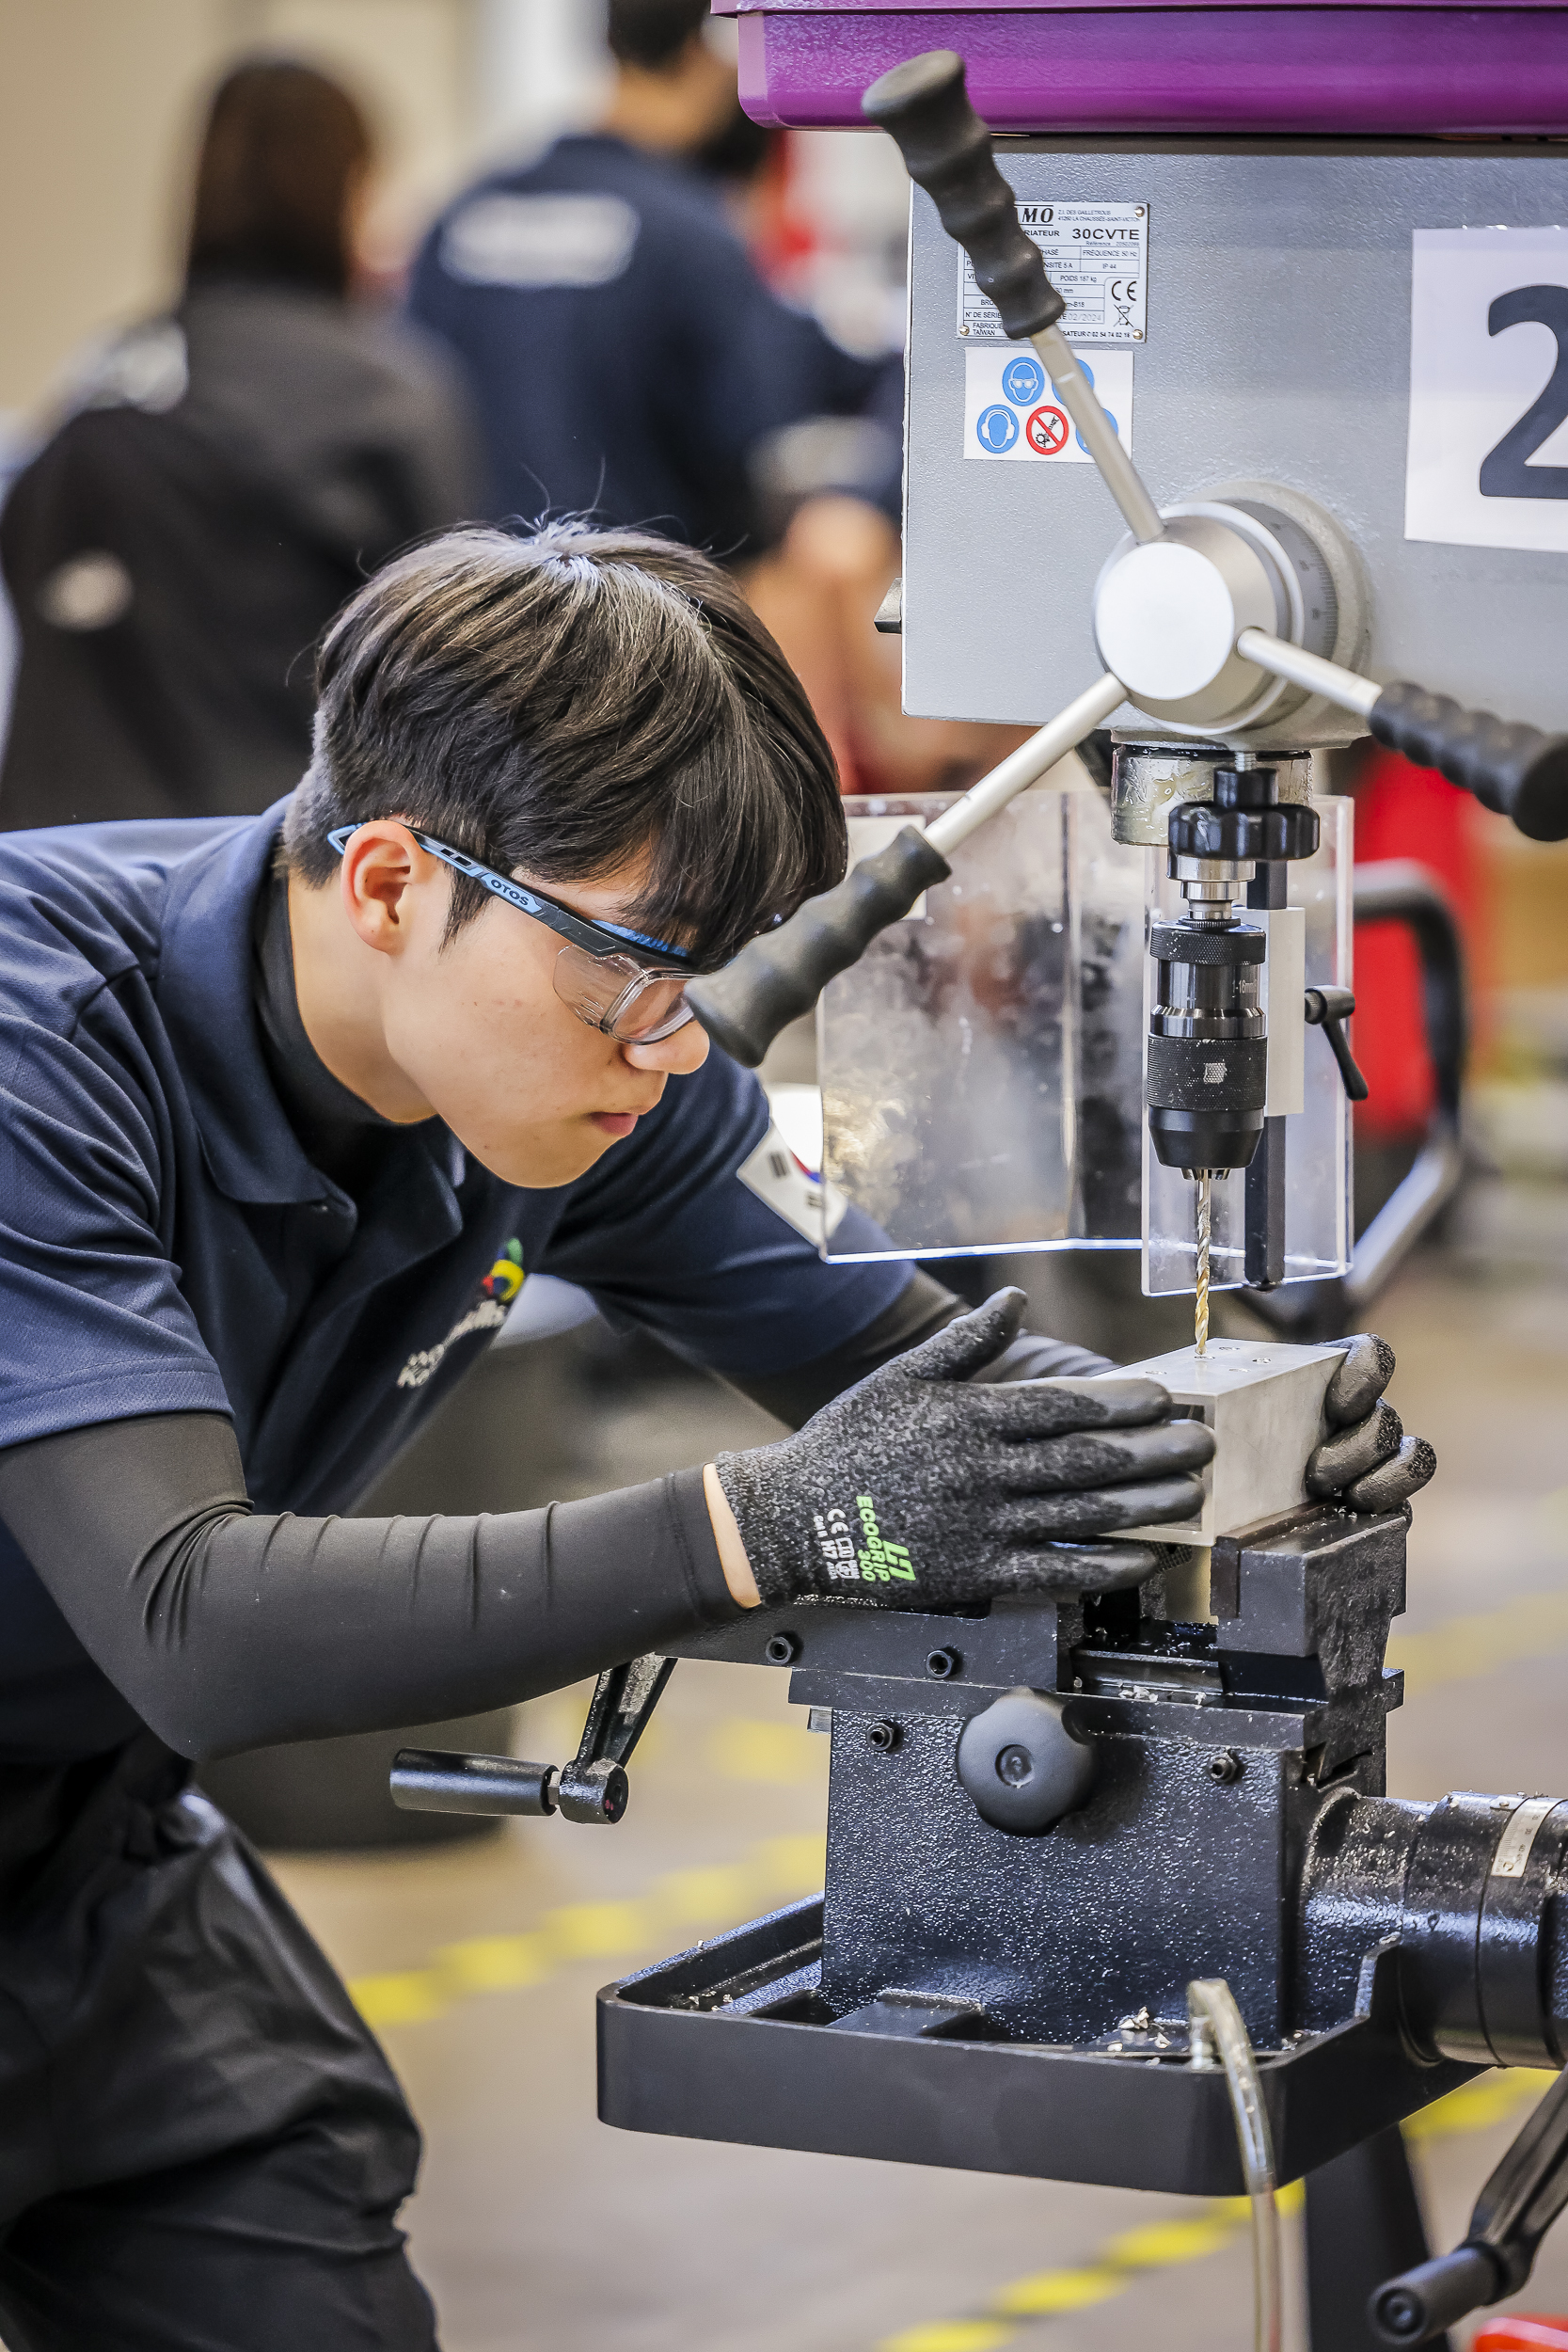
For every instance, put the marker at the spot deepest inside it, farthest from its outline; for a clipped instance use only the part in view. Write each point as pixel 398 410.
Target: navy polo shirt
pixel 624 355
pixel 165 1245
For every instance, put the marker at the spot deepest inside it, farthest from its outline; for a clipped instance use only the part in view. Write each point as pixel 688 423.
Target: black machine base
pixel 732 2042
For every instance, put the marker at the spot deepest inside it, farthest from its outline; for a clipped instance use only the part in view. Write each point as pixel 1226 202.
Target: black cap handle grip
pixel 779 976
pixel 1428 2299
pixel 435 1780
pixel 924 104
pixel 1515 770
pixel 1326 1008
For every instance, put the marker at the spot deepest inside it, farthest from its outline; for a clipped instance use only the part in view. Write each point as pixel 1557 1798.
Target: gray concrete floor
pixel 540 2231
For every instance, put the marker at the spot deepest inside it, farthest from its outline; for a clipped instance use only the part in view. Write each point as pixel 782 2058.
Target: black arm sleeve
pixel 229 1630
pixel 921 1309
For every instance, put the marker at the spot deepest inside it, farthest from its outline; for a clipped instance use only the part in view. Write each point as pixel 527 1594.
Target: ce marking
pixel 1124 293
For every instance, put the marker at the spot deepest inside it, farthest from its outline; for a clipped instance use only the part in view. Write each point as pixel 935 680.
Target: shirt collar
pixel 204 993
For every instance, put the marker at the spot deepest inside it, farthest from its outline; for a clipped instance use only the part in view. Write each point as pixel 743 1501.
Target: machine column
pixel 1363 2225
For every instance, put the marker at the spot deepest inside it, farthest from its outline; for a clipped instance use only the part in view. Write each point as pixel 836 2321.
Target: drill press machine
pixel 1061 1828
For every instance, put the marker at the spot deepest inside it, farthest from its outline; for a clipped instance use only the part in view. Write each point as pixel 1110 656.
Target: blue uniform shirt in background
pixel 624 355
pixel 167 1246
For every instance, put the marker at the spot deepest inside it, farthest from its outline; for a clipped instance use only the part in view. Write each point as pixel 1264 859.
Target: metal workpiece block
pixel 1263 1399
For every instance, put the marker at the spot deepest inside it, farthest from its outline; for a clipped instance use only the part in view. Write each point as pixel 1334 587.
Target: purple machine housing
pixel 1494 69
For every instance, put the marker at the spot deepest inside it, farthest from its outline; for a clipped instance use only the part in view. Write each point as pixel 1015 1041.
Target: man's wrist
pixel 726 1535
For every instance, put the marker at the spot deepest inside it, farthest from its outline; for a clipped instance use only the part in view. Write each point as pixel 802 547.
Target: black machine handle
pixel 780 976
pixel 946 147
pixel 436 1780
pixel 1522 2198
pixel 593 1788
pixel 1427 2300
pixel 1516 771
pixel 1326 1010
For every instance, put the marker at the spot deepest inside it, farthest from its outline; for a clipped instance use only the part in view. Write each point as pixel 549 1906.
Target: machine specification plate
pixel 1097 258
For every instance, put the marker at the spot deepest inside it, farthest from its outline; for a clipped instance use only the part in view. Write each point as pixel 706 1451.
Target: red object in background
pixel 1518 2335
pixel 782 238
pixel 1406 812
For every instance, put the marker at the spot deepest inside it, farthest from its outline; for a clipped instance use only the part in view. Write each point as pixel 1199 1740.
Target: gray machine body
pixel 1277 350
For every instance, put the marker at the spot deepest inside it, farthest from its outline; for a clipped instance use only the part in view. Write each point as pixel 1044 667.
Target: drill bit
pixel 1200 1320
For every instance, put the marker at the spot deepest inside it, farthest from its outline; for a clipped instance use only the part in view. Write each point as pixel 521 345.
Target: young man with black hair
pixel 290 1106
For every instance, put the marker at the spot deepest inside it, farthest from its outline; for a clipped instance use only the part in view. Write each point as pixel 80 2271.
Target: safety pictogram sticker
pixel 1022 380
pixel 1011 410
pixel 1047 431
pixel 996 429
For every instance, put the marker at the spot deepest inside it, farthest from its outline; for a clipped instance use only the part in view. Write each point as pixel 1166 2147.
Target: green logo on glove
pixel 882 1560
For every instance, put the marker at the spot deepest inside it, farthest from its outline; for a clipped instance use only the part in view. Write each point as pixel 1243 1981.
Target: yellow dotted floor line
pixel 686 1903
pixel 1047 2295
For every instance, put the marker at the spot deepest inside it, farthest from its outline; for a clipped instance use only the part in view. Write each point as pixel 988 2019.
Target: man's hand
pixel 1368 1464
pixel 919 1489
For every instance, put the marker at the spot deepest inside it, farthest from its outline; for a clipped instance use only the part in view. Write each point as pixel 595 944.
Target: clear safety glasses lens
pixel 624 998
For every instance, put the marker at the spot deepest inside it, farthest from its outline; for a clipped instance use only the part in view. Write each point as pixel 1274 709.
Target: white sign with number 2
pixel 1488 454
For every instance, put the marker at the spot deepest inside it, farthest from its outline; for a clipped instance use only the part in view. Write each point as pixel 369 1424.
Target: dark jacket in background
pixel 626 359
pixel 227 477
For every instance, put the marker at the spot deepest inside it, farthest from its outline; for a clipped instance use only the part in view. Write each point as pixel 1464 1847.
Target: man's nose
pixel 684 1050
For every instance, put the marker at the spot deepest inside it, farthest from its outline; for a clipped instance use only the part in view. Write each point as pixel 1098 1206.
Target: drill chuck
pixel 1207 1077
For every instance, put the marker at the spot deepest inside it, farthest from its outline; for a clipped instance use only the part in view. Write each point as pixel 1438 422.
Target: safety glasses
pixel 623 993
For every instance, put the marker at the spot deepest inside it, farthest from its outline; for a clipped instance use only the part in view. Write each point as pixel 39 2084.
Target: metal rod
pixel 1025 765
pixel 1217 2030
pixel 1346 688
pixel 1200 1314
pixel 1118 471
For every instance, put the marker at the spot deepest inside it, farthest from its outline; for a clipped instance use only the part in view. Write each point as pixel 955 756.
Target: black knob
pixel 1244 819
pixel 779 976
pixel 1515 770
pixel 1021 1766
pixel 1426 2300
pixel 924 104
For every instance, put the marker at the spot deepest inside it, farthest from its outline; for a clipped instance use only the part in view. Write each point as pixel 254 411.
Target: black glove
pixel 917 1488
pixel 1370 1465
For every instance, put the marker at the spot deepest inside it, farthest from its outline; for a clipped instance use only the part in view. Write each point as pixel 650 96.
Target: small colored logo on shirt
pixel 496 1292
pixel 505 1277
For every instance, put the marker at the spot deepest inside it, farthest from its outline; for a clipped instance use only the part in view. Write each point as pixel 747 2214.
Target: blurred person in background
pixel 630 361
pixel 225 478
pixel 626 358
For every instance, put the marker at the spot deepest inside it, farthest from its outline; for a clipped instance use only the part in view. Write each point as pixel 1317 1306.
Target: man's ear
pixel 384 875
